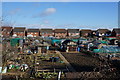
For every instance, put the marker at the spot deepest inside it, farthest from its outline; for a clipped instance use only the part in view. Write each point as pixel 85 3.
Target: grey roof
pixel 73 30
pixel 86 30
pixel 46 30
pixel 102 30
pixel 116 30
pixel 60 30
pixel 19 29
pixel 33 30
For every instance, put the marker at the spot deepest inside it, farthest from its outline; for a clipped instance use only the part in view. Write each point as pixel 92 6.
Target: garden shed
pixel 15 41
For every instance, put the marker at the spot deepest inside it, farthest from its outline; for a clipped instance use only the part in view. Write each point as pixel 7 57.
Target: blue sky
pixel 89 15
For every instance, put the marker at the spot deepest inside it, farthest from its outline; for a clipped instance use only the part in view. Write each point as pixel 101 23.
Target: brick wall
pixel 60 35
pixel 21 34
pixel 6 33
pixel 73 34
pixel 34 34
pixel 47 34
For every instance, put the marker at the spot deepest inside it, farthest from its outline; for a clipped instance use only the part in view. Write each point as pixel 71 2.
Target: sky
pixel 60 0
pixel 81 15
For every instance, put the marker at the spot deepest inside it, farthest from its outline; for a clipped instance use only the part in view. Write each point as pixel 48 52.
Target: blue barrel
pixel 52 59
pixel 78 49
pixel 56 59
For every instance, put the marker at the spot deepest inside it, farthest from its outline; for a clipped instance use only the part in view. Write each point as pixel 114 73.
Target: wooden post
pixel 39 50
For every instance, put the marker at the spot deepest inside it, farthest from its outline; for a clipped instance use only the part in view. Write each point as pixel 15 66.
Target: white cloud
pixel 45 21
pixel 67 26
pixel 48 12
pixel 38 26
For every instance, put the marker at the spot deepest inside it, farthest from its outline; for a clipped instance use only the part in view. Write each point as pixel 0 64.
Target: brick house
pixel 101 32
pixel 46 32
pixel 60 33
pixel 33 33
pixel 73 32
pixel 115 32
pixel 85 32
pixel 19 31
pixel 6 31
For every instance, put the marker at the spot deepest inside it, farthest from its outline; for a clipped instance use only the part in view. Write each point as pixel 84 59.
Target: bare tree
pixel 7 20
pixel 7 51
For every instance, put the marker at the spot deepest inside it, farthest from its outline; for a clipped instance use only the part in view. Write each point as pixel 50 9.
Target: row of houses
pixel 58 33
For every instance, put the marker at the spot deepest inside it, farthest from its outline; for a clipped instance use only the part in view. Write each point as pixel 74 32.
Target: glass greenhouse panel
pixel 110 49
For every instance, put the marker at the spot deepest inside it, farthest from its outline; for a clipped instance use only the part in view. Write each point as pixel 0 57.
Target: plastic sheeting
pixel 15 41
pixel 110 49
pixel 0 69
pixel 5 70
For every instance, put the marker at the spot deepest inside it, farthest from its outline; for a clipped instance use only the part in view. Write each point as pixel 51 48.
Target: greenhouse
pixel 15 41
pixel 108 49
